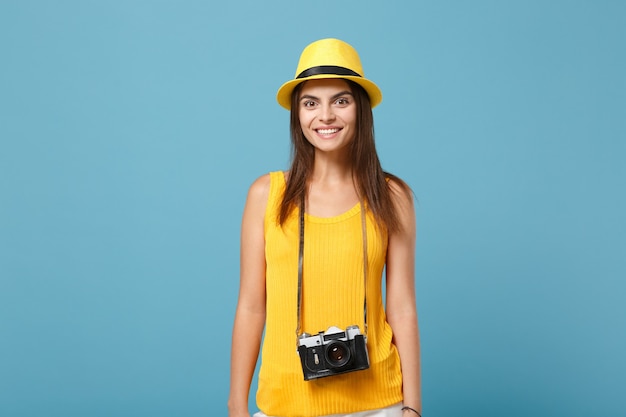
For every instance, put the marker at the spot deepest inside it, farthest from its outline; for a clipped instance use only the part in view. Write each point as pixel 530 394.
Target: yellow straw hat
pixel 328 58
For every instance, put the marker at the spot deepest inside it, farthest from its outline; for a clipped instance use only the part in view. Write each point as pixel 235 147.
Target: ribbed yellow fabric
pixel 332 296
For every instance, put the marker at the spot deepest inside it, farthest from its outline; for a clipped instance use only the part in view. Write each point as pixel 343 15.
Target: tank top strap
pixel 277 189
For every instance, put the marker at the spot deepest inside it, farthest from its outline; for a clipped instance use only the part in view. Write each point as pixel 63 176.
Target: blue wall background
pixel 131 130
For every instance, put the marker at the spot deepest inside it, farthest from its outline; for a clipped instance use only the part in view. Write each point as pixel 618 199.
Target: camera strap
pixel 301 264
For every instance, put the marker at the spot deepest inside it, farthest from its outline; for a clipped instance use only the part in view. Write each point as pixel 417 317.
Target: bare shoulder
pixel 402 198
pixel 401 193
pixel 258 194
pixel 260 189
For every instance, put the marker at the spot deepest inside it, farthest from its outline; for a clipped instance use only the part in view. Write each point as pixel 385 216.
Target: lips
pixel 327 131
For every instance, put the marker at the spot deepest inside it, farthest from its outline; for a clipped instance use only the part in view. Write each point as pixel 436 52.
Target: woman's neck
pixel 331 189
pixel 331 168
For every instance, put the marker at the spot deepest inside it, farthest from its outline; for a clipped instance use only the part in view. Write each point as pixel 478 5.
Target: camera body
pixel 332 352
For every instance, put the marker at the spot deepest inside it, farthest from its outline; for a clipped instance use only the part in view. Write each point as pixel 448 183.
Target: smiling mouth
pixel 327 132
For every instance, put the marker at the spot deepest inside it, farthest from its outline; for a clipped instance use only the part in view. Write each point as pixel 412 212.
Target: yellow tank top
pixel 333 291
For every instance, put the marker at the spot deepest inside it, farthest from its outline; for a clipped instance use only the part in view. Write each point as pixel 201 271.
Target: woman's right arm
pixel 250 313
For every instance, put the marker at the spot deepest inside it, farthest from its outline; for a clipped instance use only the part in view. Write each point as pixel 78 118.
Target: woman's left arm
pixel 401 305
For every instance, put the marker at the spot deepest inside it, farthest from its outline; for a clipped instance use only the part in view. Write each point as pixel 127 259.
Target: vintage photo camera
pixel 332 352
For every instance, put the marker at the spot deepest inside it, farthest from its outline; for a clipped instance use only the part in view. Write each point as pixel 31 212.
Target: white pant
pixel 392 411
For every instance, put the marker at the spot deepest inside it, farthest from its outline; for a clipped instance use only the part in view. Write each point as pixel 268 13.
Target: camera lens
pixel 337 354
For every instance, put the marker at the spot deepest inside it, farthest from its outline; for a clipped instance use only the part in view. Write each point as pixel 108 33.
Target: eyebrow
pixel 336 96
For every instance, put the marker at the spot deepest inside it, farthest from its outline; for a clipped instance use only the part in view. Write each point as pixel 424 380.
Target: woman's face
pixel 327 112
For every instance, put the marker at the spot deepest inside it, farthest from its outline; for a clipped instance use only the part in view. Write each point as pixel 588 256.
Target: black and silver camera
pixel 332 352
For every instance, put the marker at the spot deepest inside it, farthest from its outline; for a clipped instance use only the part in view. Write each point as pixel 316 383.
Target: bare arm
pixel 401 308
pixel 250 313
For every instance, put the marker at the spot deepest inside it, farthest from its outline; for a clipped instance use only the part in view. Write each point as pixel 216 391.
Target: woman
pixel 314 243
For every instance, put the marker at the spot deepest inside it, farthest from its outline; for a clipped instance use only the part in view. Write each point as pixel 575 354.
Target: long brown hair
pixel 371 181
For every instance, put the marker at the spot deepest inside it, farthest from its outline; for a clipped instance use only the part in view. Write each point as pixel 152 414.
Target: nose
pixel 326 113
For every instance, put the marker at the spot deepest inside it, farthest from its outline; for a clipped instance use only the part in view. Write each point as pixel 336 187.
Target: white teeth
pixel 327 131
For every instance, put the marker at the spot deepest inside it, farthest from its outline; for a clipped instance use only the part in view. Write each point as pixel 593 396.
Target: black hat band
pixel 327 70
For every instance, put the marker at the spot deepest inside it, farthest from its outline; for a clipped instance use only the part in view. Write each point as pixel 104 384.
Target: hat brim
pixel 283 96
